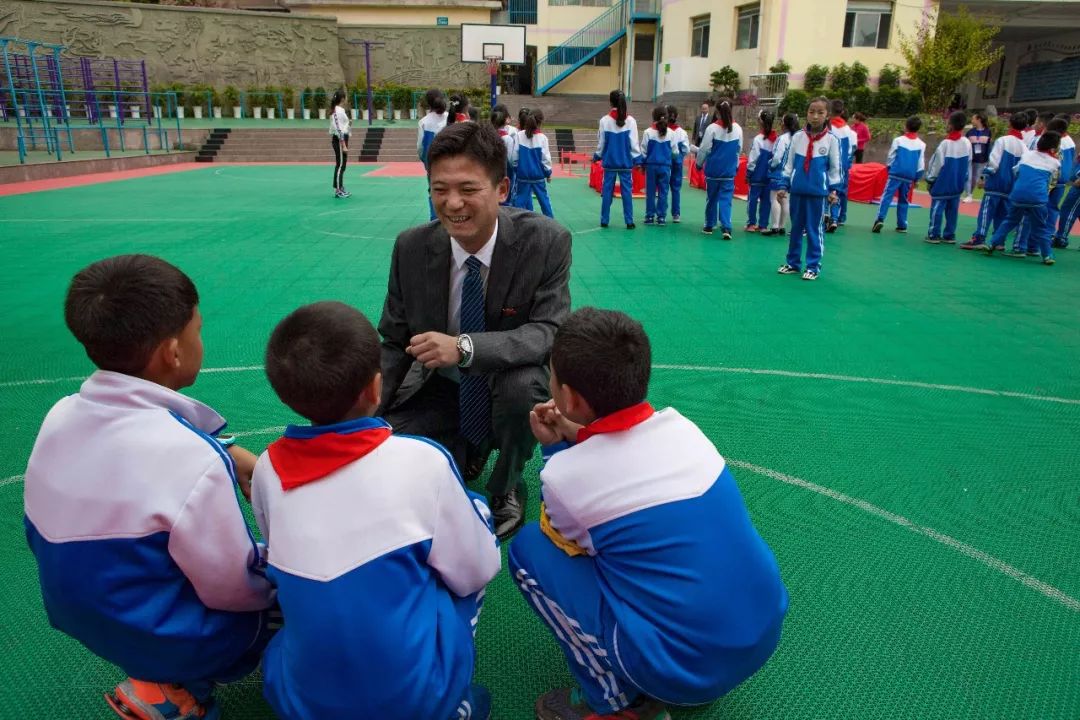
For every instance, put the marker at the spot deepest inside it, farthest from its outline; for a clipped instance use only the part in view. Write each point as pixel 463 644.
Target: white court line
pixel 870 380
pixel 105 220
pixel 11 480
pixel 350 236
pixel 694 368
pixel 963 548
pixel 585 232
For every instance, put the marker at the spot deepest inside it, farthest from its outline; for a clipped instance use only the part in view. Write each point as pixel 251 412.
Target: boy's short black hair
pixel 913 123
pixel 1018 121
pixel 319 359
pixel 121 308
pixel 1032 116
pixel 1048 141
pixel 957 120
pixel 1046 117
pixel 605 356
pixel 1058 125
pixel 478 141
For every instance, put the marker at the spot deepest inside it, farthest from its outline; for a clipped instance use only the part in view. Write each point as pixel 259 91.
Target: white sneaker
pixel 968 199
pixel 810 275
pixel 786 269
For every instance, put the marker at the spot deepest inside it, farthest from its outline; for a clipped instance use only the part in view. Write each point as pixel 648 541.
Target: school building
pixel 669 48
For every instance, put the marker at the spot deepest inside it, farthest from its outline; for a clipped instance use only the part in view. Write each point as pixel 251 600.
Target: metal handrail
pixel 592 39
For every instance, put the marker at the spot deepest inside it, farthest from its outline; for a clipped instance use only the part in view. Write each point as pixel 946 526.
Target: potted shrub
pixel 197 97
pixel 308 102
pixel 270 99
pixel 322 100
pixel 401 96
pixel 215 103
pixel 287 98
pixel 230 97
pixel 353 95
pixel 254 101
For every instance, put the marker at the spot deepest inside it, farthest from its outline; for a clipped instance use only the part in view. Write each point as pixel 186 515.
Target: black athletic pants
pixel 341 159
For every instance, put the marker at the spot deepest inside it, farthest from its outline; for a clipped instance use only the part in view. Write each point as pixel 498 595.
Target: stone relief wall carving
pixel 216 48
pixel 424 57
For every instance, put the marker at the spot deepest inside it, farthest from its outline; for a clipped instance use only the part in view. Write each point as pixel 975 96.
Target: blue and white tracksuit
pixel 809 184
pixel 998 178
pixel 532 168
pixel 718 156
pixel 1036 174
pixel 849 143
pixel 658 152
pixel 682 147
pixel 618 151
pixel 1067 157
pixel 509 136
pixel 428 127
pixel 906 161
pixel 757 176
pixel 1070 207
pixel 781 208
pixel 947 176
pixel 380 557
pixel 142 549
pixel 645 564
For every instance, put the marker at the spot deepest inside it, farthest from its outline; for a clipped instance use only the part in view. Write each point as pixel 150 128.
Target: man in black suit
pixel 703 120
pixel 472 305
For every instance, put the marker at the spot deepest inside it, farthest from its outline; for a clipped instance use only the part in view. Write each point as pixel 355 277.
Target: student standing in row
pixel 428 127
pixel 946 177
pixel 718 156
pixel 907 161
pixel 618 151
pixel 997 181
pixel 682 147
pixel 757 174
pixel 658 148
pixel 532 164
pixel 781 209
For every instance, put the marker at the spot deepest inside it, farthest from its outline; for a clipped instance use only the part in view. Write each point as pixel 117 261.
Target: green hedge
pixel 886 102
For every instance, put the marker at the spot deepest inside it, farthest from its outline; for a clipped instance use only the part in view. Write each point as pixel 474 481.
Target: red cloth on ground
pixel 697 177
pixel 866 182
pixel 596 179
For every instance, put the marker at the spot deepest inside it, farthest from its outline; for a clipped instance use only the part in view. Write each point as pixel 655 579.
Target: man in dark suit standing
pixel 472 305
pixel 703 119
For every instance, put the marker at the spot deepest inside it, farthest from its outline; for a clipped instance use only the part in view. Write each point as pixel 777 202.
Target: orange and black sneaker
pixel 569 704
pixel 139 700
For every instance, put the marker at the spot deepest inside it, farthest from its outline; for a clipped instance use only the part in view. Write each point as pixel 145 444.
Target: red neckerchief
pixel 720 122
pixel 954 135
pixel 771 137
pixel 462 117
pixel 838 122
pixel 810 148
pixel 615 114
pixel 911 136
pixel 1051 153
pixel 299 461
pixel 673 126
pixel 504 132
pixel 1016 133
pixel 617 421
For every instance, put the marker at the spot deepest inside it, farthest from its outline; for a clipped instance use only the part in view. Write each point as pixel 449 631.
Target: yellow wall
pixel 802 32
pixel 390 15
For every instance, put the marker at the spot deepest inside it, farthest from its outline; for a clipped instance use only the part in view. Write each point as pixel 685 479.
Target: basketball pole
pixel 493 71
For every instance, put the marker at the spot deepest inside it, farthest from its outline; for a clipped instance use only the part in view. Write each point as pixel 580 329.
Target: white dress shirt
pixel 458 271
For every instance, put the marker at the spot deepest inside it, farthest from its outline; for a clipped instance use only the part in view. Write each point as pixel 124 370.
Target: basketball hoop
pixel 493 64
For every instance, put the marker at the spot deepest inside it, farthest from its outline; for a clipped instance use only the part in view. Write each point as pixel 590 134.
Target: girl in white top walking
pixel 339 139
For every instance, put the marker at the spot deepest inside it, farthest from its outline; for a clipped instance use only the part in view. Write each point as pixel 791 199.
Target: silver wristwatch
pixel 465 347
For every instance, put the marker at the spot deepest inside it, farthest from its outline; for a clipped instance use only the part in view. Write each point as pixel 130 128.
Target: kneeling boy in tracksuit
pixel 645 564
pixel 379 553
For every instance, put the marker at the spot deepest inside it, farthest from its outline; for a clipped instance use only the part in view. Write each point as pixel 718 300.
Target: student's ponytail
pixel 457 102
pixel 618 101
pixel 498 118
pixel 766 118
pixel 337 99
pixel 659 116
pixel 723 113
pixel 672 114
pixel 791 123
pixel 530 123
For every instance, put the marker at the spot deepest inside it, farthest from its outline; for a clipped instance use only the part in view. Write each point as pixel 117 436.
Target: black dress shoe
pixel 508 513
pixel 475 462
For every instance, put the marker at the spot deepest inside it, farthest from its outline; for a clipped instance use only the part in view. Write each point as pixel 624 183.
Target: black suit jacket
pixel 700 124
pixel 527 298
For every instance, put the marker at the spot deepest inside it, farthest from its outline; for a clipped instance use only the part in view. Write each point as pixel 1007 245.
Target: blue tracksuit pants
pixel 524 196
pixel 676 188
pixel 807 216
pixel 626 189
pixel 657 184
pixel 758 206
pixel 944 210
pixel 1036 217
pixel 896 188
pixel 838 211
pixel 718 195
pixel 992 212
pixel 1023 240
pixel 1069 211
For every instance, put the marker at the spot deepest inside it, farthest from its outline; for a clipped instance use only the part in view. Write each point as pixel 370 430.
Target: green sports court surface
pixel 905 431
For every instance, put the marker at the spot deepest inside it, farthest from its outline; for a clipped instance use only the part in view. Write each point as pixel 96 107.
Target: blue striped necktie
pixel 474 398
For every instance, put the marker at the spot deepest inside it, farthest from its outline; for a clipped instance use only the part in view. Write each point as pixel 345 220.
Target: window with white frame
pixel 867 24
pixel 746 34
pixel 699 36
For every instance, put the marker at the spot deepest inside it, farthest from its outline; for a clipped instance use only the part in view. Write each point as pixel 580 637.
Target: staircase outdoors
pixel 213 144
pixel 300 145
pixel 591 40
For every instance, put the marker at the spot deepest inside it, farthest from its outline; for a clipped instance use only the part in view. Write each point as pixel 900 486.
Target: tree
pixel 814 78
pixel 725 81
pixel 941 59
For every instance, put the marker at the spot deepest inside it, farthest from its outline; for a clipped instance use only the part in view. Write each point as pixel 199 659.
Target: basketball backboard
pixel 480 42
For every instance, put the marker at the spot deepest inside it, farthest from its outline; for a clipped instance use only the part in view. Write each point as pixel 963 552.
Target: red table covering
pixel 596 179
pixel 697 177
pixel 866 182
